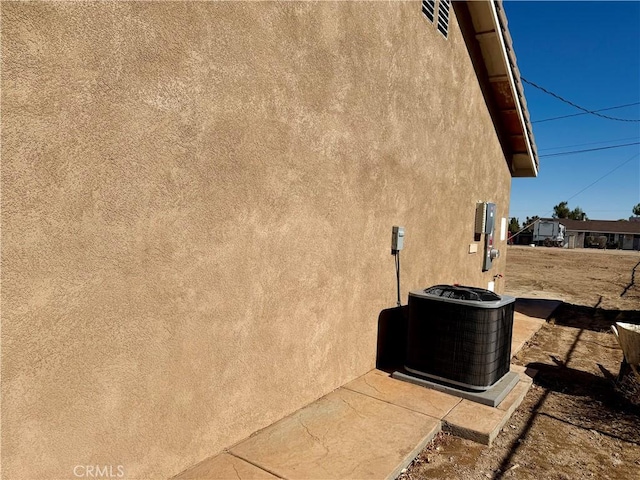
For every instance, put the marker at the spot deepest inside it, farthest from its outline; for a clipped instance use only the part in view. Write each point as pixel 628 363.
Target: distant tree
pixel 514 225
pixel 529 223
pixel 577 214
pixel 561 210
pixel 636 210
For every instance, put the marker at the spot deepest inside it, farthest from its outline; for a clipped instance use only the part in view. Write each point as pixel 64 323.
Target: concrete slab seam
pixel 401 406
pixel 275 474
pixel 413 454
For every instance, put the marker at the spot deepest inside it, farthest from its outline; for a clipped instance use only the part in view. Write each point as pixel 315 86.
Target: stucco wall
pixel 197 202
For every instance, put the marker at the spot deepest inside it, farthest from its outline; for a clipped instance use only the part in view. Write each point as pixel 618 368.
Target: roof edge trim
pixel 513 73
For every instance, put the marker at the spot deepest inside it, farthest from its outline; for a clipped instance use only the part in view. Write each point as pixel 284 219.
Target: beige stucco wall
pixel 197 202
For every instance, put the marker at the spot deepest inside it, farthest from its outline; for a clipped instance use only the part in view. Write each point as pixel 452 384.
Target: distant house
pixel 620 234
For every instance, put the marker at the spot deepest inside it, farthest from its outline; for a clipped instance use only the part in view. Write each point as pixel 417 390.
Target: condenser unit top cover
pixel 464 295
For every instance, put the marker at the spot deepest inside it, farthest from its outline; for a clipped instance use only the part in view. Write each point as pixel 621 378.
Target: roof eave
pixel 492 34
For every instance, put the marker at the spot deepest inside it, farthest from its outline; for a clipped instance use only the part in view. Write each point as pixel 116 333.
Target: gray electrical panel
pixel 397 239
pixel 485 224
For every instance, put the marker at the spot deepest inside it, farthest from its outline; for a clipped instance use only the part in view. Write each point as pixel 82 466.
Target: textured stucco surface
pixel 197 202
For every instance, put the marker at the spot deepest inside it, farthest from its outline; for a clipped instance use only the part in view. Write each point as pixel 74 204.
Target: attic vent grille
pixel 429 8
pixel 443 17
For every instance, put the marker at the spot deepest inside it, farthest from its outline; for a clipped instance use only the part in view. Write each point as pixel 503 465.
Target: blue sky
pixel 588 53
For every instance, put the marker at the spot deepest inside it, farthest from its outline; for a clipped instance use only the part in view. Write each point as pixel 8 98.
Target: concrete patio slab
pixel 380 385
pixel 524 328
pixel 345 434
pixel 529 316
pixel 514 398
pixel 223 467
pixel 526 373
pixel 481 423
pixel 476 422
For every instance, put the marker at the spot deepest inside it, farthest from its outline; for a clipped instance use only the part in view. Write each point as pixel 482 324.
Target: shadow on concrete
pixel 537 307
pixel 392 338
pixel 592 318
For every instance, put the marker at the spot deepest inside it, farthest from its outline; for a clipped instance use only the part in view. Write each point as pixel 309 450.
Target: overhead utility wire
pixel 573 152
pixel 603 176
pixel 578 193
pixel 589 143
pixel 592 112
pixel 585 113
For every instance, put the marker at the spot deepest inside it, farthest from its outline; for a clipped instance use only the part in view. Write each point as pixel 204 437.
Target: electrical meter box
pixel 490 223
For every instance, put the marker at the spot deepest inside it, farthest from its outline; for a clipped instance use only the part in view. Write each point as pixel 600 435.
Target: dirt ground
pixel 577 421
pixel 588 277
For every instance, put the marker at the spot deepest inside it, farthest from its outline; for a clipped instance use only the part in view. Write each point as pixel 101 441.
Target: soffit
pixel 492 35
